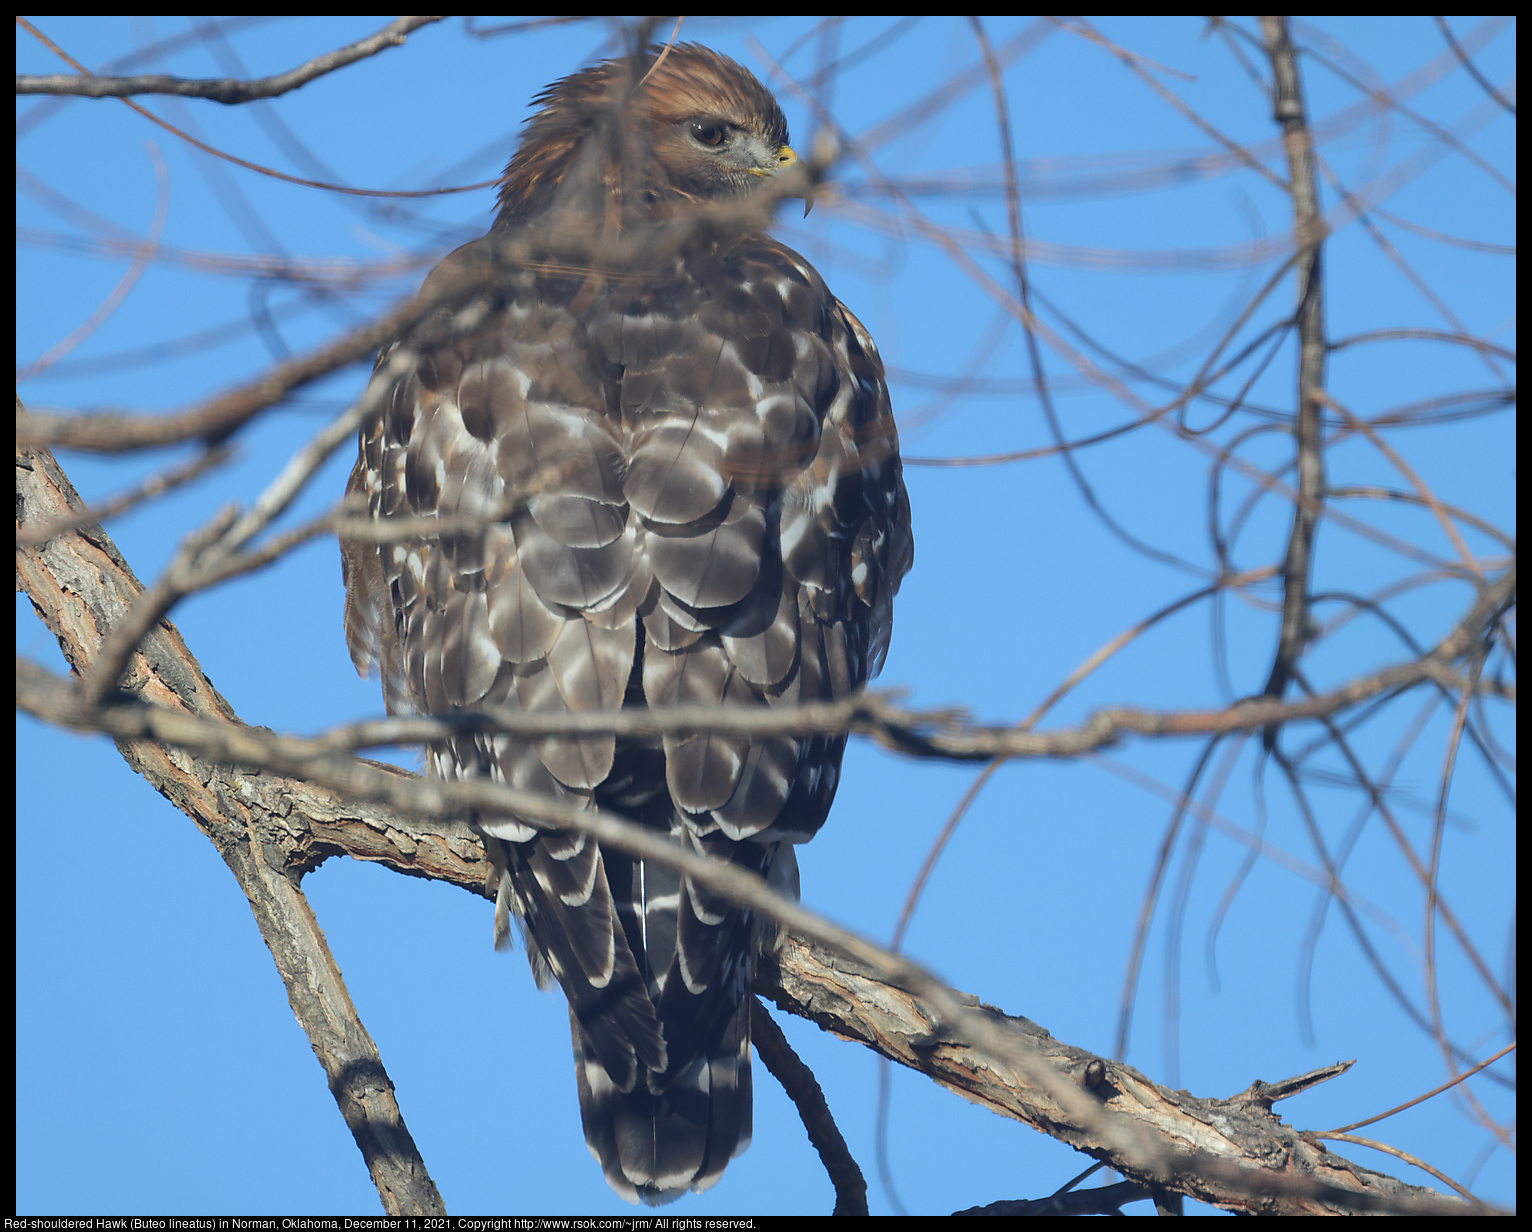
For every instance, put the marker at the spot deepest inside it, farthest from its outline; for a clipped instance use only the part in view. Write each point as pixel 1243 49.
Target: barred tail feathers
pixel 653 1147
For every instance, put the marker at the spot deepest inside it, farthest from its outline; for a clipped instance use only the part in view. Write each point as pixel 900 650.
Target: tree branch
pixel 1308 226
pixel 828 973
pixel 448 311
pixel 218 89
pixel 804 1090
pixel 80 586
pixel 1230 1152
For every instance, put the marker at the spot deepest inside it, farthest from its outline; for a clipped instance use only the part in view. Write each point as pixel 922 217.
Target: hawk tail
pixel 654 1146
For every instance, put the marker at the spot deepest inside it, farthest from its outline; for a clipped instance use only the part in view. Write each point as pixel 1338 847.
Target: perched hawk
pixel 674 478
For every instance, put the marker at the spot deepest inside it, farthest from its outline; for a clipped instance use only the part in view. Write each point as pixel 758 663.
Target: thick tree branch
pixel 1201 1148
pixel 81 587
pixel 1210 1145
pixel 1230 1152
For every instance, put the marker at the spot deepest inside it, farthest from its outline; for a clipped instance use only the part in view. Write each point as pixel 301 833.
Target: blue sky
pixel 159 1069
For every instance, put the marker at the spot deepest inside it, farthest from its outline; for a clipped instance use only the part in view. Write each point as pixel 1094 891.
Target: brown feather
pixel 689 476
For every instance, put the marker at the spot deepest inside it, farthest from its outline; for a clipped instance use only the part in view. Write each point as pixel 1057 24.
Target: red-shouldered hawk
pixel 682 446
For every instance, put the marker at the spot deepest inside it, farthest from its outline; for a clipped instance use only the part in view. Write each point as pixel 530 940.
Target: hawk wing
pixel 692 495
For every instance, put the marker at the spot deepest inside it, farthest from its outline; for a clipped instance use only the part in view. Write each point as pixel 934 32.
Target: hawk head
pixel 693 126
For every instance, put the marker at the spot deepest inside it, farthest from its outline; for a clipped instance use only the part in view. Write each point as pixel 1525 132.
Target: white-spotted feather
pixel 692 495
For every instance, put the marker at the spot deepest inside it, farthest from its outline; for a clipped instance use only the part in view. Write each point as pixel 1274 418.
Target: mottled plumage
pixel 690 475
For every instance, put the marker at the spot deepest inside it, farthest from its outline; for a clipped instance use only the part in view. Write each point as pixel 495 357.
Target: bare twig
pixel 1136 64
pixel 1309 316
pixel 271 172
pixel 219 89
pixel 1473 71
pixel 217 418
pixel 1427 497
pixel 1446 1086
pixel 1397 1154
pixel 804 1090
pixel 425 319
pixel 109 305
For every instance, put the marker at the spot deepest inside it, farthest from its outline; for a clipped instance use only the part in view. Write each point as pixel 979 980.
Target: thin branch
pixel 1378 802
pixel 1433 335
pixel 939 733
pixel 1456 143
pixel 426 319
pixel 219 89
pixel 220 416
pixel 1134 969
pixel 1397 1154
pixel 114 298
pixel 1448 1085
pixel 904 122
pixel 1484 84
pixel 803 1089
pixel 1288 111
pixel 1373 492
pixel 271 172
pixel 1101 1200
pixel 1443 237
pixel 1400 262
pixel 1027 317
pixel 1427 497
pixel 1136 63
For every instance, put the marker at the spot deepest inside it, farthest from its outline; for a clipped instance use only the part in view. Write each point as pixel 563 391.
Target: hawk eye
pixel 708 132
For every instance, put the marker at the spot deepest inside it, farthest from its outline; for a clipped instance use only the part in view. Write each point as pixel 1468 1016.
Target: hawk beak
pixel 787 159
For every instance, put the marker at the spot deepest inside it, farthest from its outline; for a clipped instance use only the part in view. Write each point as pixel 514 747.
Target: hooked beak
pixel 787 158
